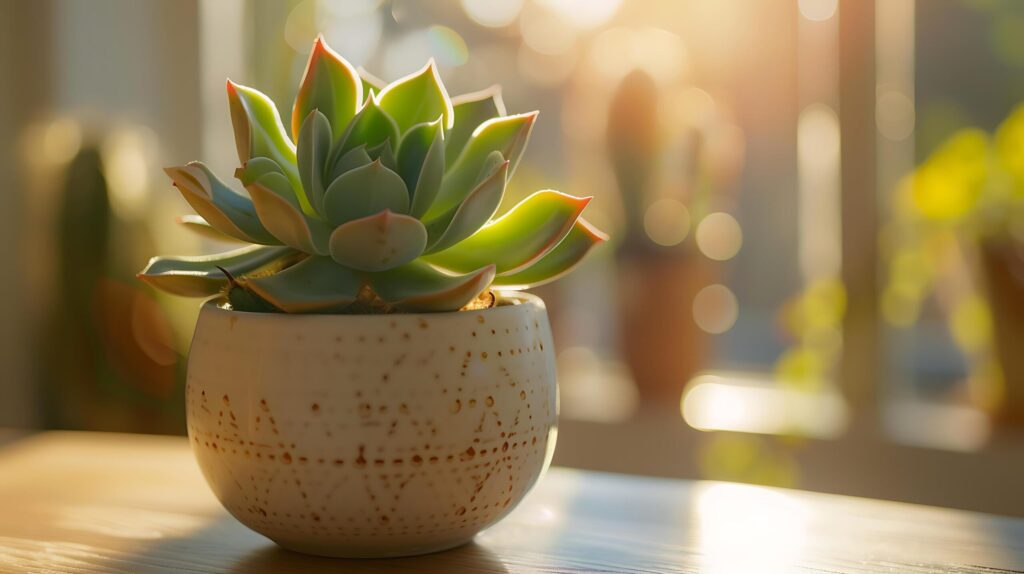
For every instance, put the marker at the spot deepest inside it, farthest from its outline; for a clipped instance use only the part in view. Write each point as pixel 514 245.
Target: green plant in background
pixel 814 320
pixel 107 357
pixel 962 210
pixel 384 202
pixel 634 145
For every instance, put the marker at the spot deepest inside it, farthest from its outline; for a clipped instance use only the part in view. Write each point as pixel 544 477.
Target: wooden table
pixel 82 502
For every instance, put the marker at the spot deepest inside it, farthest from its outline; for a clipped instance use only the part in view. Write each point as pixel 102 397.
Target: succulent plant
pixel 385 202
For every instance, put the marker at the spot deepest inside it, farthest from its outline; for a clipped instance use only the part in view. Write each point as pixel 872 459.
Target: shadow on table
pixel 469 558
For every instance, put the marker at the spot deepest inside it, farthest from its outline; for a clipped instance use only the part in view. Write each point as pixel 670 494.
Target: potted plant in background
pixel 958 233
pixel 365 381
pixel 669 173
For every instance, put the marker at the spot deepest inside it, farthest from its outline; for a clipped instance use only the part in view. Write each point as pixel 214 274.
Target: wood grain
pixel 86 503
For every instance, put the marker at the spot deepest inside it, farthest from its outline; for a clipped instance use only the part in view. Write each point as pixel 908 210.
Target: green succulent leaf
pixel 417 98
pixel 390 187
pixel 414 147
pixel 384 154
pixel 418 286
pixel 314 148
pixel 256 168
pixel 330 85
pixel 471 110
pixel 421 164
pixel 493 162
pixel 313 285
pixel 517 239
pixel 371 84
pixel 275 203
pixel 242 299
pixel 476 210
pixel 229 212
pixel 569 252
pixel 260 133
pixel 202 228
pixel 371 127
pixel 507 135
pixel 356 157
pixel 201 276
pixel 378 242
pixel 365 191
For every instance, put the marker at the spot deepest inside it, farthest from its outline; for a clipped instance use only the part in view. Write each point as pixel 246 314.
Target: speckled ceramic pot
pixel 372 435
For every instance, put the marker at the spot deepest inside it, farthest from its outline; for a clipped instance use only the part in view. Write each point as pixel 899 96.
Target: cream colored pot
pixel 372 435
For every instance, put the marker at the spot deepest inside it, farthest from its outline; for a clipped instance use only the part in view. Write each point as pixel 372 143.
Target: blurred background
pixel 816 278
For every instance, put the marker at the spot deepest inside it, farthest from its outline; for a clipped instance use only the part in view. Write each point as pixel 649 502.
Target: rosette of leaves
pixel 384 200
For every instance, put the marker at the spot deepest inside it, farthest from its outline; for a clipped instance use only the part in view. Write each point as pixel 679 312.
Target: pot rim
pixel 514 298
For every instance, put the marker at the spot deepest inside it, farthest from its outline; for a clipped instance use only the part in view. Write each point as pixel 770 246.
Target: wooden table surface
pixel 83 502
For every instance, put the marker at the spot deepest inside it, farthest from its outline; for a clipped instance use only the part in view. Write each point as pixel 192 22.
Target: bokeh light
pixel 715 309
pixel 719 236
pixel 300 28
pixel 667 222
pixel 593 388
pixel 492 13
pixel 894 115
pixel 447 46
pixel 407 53
pixel 127 155
pixel 59 140
pixel 692 106
pixel 818 136
pixel 584 13
pixel 353 29
pixel 545 30
pixel 617 51
pixel 544 69
pixel 818 10
pixel 744 403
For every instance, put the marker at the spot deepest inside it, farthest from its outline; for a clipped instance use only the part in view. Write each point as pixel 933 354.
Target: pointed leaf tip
pixel 330 84
pixel 471 110
pixel 507 135
pixel 371 127
pixel 417 98
pixel 476 210
pixel 517 239
pixel 202 276
pixel 230 213
pixel 259 132
pixel 558 262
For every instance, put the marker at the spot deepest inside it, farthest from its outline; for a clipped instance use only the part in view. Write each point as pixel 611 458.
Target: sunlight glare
pixel 739 403
pixel 744 529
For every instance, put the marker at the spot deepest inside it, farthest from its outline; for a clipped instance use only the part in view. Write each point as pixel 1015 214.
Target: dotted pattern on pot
pixel 372 435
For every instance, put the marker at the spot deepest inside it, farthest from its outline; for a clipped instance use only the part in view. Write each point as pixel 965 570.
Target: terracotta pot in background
pixel 1003 268
pixel 660 341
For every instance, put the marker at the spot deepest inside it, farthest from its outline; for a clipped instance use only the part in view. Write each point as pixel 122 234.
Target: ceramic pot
pixel 372 435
